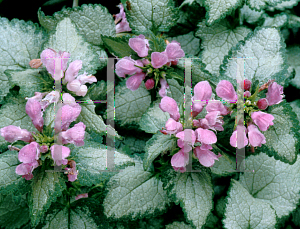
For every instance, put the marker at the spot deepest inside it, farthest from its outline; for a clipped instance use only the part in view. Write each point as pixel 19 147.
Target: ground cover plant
pixel 150 114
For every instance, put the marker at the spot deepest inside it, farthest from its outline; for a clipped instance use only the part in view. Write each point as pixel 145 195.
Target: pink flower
pixel 74 85
pixel 68 115
pixel 140 45
pixel 173 51
pixel 123 26
pixel 233 138
pixel 13 133
pixel 164 85
pixel 34 111
pixel 29 153
pixel 25 169
pixel 72 172
pixel 173 127
pixel 188 136
pixel 48 57
pixel 74 135
pixel 149 84
pixel 126 66
pixel 256 138
pixel 206 157
pixel 134 82
pixel 262 104
pixel 214 105
pixel 274 94
pixel 59 153
pixel 205 136
pixel 145 61
pixel 158 59
pixel 52 97
pixel 82 90
pixel 180 160
pixel 85 78
pixel 38 96
pixel 83 195
pixel 214 121
pixel 262 120
pixel 202 91
pixel 73 70
pixel 69 99
pixel 169 105
pixel 225 90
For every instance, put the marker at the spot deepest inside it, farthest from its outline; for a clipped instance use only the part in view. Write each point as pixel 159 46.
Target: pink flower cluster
pixel 75 82
pixel 203 127
pixel 123 26
pixel 262 120
pixel 128 66
pixel 29 155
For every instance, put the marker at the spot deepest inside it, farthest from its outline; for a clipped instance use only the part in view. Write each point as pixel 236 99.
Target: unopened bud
pixel 262 104
pixel 247 94
pixel 163 74
pixel 247 85
pixel 35 63
pixel 248 102
pixel 149 84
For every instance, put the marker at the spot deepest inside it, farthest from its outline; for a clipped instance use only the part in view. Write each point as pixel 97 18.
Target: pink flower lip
pixel 225 90
pixel 29 153
pixel 169 105
pixel 256 138
pixel 158 59
pixel 59 154
pixel 262 120
pixel 140 45
pixel 134 82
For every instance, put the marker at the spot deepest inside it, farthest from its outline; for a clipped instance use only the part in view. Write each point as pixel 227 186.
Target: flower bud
pixel 262 104
pixel 44 149
pixel 149 84
pixel 84 195
pixel 82 90
pixel 247 94
pixel 35 63
pixel 247 85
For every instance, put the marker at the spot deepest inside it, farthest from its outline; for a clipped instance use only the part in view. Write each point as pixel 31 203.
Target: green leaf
pixel 91 158
pixel 134 144
pixel 101 55
pixel 13 113
pixel 157 44
pixel 94 122
pixel 273 182
pixel 279 20
pixel 118 46
pixel 29 81
pixel 244 211
pixel 282 138
pixel 222 166
pixel 66 38
pixel 16 53
pixel 296 108
pixel 46 187
pixel 296 217
pixel 293 58
pixel 176 90
pixel 135 193
pixel 261 4
pixel 98 91
pixel 13 215
pixel 10 182
pixel 75 218
pixel 131 105
pixel 158 144
pixel 156 15
pixel 49 115
pixel 194 192
pixel 188 42
pixel 92 21
pixel 154 119
pixel 265 50
pixel 249 15
pixel 217 40
pixel 217 10
pixel 178 225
